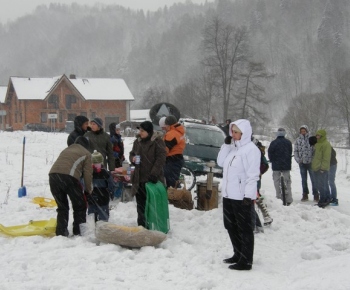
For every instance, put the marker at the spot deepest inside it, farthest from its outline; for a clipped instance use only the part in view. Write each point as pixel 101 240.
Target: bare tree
pixel 225 48
pixel 251 96
pixel 311 110
pixel 341 97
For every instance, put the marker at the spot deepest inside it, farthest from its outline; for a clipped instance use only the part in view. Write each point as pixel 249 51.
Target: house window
pixel 83 114
pixel 53 99
pixel 16 114
pixel 43 117
pixel 93 115
pixel 71 117
pixel 60 117
pixel 70 99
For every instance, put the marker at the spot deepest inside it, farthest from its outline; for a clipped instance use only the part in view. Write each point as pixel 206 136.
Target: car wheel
pixel 189 177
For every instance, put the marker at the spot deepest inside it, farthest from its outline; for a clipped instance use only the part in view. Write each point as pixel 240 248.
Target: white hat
pixel 162 122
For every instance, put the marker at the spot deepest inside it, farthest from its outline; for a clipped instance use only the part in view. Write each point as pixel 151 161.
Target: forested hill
pixel 304 45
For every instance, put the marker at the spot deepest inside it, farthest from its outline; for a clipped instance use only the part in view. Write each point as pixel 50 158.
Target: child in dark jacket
pixel 102 181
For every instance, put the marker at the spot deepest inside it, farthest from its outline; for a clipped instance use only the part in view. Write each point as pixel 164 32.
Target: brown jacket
pixel 152 155
pixel 75 161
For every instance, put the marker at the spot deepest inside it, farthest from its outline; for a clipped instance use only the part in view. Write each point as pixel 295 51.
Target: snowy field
pixel 305 247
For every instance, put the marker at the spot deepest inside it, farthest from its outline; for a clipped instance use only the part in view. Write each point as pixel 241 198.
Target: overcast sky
pixel 12 9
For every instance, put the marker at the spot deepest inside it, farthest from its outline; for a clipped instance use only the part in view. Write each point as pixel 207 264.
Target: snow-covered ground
pixel 305 248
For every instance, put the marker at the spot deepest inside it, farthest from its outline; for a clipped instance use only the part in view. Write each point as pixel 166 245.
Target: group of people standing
pixel 241 160
pixel 82 167
pixel 315 157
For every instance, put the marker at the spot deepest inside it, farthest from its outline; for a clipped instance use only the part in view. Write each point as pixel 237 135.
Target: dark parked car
pixel 203 143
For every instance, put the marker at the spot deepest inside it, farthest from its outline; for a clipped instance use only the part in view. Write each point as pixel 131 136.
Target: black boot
pixel 232 260
pixel 240 267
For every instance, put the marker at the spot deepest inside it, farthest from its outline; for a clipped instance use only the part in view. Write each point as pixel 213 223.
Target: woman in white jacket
pixel 240 160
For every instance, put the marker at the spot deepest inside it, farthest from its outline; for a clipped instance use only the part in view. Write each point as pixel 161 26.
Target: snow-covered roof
pixel 3 90
pixel 103 89
pixel 139 115
pixel 90 88
pixel 33 88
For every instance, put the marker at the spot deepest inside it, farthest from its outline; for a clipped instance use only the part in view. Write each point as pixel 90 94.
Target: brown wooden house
pixel 50 102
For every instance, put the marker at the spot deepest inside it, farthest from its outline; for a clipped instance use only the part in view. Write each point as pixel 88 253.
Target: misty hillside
pixel 291 51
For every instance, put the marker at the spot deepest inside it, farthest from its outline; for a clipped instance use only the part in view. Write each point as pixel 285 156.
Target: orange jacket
pixel 174 140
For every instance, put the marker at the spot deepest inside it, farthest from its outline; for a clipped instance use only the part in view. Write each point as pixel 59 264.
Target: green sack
pixel 157 211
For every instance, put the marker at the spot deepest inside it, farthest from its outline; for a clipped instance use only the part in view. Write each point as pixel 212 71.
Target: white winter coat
pixel 241 164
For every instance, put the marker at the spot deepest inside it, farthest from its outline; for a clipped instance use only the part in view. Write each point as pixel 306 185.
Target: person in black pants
pixel 240 160
pixel 73 163
pixel 150 149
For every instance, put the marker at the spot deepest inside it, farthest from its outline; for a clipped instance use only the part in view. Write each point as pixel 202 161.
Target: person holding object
pixel 73 163
pixel 240 160
pixel 148 156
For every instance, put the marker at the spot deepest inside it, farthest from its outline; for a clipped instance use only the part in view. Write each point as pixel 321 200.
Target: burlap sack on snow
pixel 133 237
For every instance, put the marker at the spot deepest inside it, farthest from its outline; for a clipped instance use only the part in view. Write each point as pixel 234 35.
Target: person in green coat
pixel 320 166
pixel 100 141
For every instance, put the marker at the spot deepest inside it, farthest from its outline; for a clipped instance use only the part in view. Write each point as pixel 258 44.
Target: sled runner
pixel 40 227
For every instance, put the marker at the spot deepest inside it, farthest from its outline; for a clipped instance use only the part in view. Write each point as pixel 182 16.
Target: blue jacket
pixel 280 154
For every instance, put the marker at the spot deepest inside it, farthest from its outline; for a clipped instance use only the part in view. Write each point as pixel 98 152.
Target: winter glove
pixel 247 201
pixel 90 200
pixel 228 140
pixel 152 178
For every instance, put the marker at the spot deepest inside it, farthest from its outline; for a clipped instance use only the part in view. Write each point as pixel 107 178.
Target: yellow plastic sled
pixel 41 228
pixel 45 202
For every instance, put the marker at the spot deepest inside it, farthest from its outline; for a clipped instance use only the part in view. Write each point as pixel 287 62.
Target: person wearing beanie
pixel 103 186
pixel 117 144
pixel 72 165
pixel 150 149
pixel 280 154
pixel 240 161
pixel 303 156
pixel 81 126
pixel 100 141
pixel 175 143
pixel 320 165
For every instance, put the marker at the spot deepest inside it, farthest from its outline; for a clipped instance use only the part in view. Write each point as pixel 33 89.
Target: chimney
pixel 72 77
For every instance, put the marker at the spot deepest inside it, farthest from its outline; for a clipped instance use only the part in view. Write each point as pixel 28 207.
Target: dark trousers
pixel 141 197
pixel 322 186
pixel 172 171
pixel 239 224
pixel 63 186
pixel 101 212
pixel 304 169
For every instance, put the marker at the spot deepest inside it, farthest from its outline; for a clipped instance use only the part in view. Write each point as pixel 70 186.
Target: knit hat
pixel 117 127
pixel 83 141
pixel 96 157
pixel 147 126
pixel 162 122
pixel 312 140
pixel 281 132
pixel 98 122
pixel 170 120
